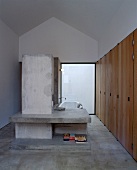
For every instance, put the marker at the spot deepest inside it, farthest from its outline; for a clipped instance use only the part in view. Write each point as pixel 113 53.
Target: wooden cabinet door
pixel 114 91
pixel 135 98
pixel 103 89
pixel 125 88
pixel 108 89
pixel 98 89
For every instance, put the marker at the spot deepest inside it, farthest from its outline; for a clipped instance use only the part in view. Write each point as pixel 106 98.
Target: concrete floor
pixel 104 153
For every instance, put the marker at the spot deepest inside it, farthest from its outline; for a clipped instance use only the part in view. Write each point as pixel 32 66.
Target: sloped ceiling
pixel 88 16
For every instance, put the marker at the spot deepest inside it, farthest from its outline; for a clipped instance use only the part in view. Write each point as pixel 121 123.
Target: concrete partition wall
pixel 36 96
pixel 37 84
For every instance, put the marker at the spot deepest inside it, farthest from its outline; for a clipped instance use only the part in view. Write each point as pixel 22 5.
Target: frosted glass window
pixel 78 84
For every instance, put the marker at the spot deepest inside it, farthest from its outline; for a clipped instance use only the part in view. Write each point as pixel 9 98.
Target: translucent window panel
pixel 78 84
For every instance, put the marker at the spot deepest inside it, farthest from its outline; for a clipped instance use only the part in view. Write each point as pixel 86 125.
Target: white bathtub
pixel 71 105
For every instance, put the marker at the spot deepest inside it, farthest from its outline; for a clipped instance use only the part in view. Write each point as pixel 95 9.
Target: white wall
pixel 9 74
pixel 59 39
pixel 121 25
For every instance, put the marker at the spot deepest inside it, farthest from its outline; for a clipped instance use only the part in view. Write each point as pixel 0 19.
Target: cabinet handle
pixel 110 94
pixel 128 98
pixel 118 96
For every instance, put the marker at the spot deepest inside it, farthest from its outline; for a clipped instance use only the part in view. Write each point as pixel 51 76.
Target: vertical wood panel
pixel 108 89
pixel 114 91
pixel 135 99
pixel 129 94
pixel 103 89
pixel 125 107
pixel 56 80
pixel 98 89
pixel 120 103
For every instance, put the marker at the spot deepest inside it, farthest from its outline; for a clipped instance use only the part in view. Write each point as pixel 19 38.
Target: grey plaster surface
pixel 67 116
pixel 33 130
pixel 37 89
pixel 37 83
pixel 103 152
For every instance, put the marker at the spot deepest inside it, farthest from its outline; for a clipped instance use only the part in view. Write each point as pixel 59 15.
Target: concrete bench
pixel 68 121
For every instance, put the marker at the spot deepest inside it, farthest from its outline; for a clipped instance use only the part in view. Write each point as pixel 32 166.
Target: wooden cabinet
pixel 125 104
pixel 118 85
pixel 98 89
pixel 108 89
pixel 103 89
pixel 135 98
pixel 114 91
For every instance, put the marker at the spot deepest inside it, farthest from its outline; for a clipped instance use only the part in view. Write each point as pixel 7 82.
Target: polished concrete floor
pixel 102 152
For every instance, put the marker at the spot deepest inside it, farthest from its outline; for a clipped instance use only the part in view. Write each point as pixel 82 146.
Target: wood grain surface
pixel 103 89
pixel 135 98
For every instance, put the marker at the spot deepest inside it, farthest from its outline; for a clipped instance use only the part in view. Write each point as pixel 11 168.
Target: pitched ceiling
pixel 88 16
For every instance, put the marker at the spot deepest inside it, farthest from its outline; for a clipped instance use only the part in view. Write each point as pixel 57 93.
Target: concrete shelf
pixel 67 116
pixel 39 125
